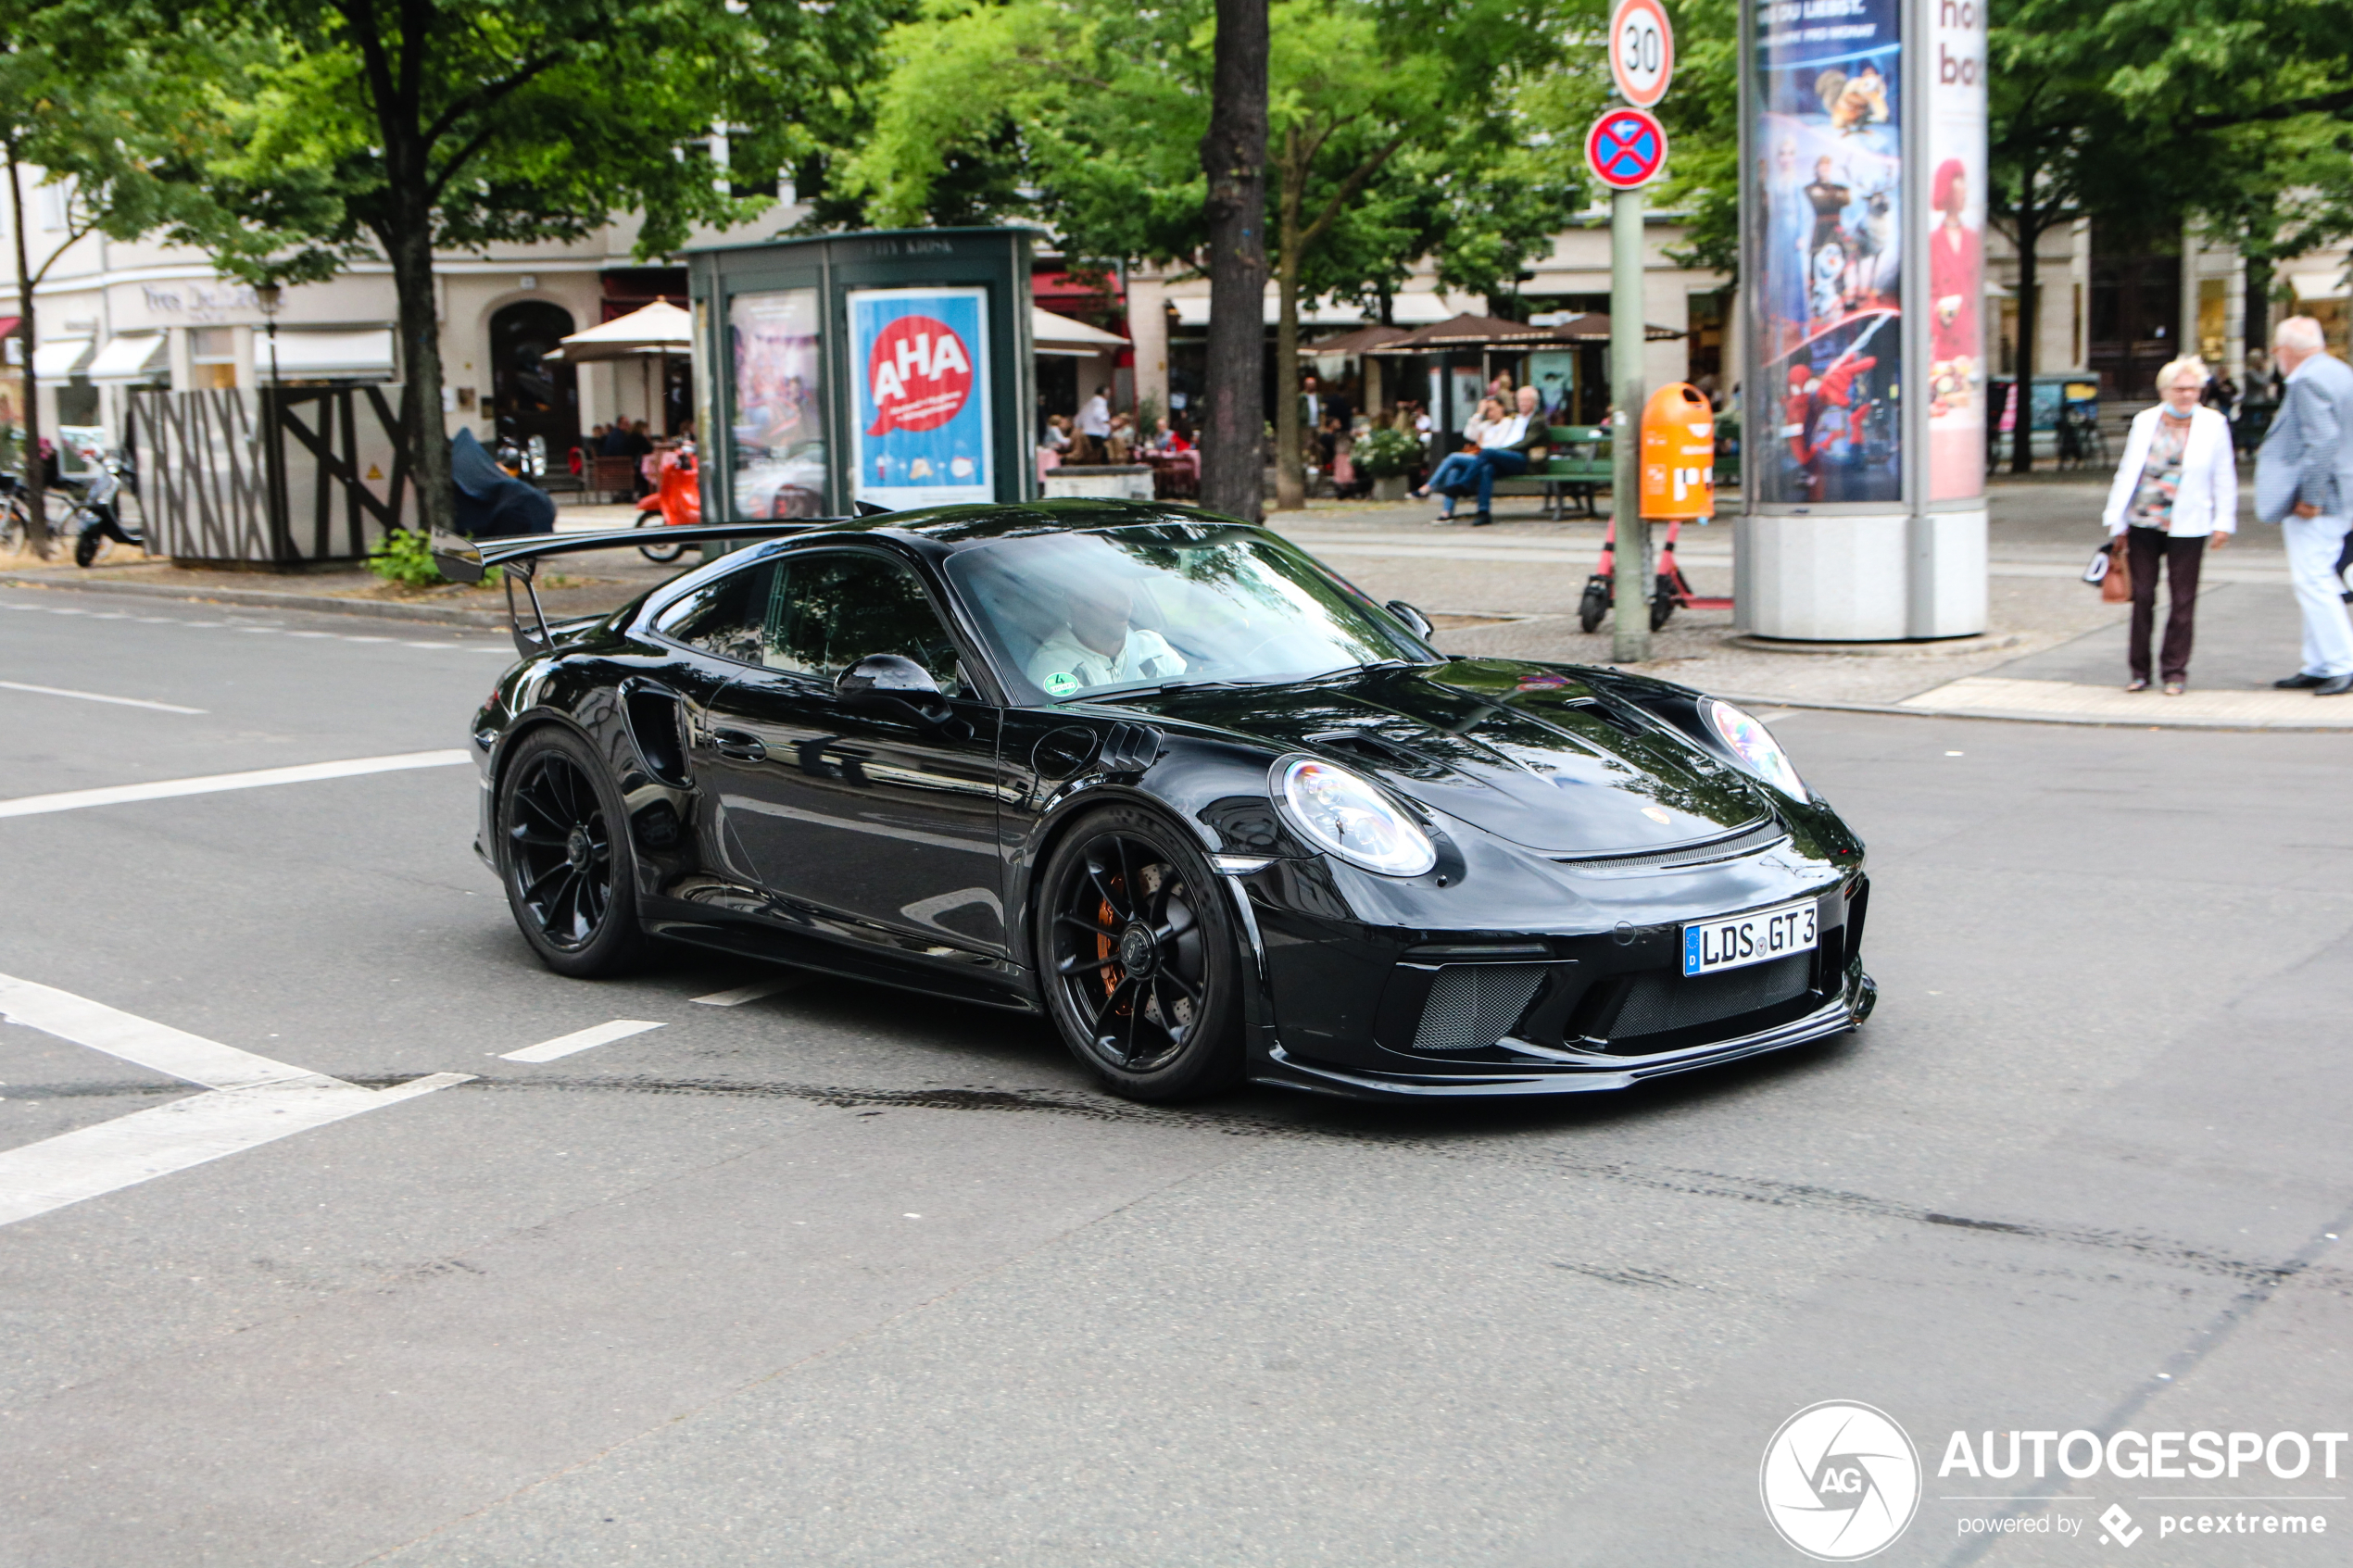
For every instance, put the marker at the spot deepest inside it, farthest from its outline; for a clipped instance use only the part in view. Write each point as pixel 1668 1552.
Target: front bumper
pixel 1593 1075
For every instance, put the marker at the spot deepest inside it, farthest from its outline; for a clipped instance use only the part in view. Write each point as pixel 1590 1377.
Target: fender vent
pixel 1472 1006
pixel 1131 748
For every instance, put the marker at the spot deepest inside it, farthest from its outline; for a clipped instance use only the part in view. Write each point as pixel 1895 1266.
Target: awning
pixel 138 357
pixel 1405 309
pixel 1363 339
pixel 659 329
pixel 1050 333
pixel 59 358
pixel 365 355
pixel 1469 331
pixel 2318 285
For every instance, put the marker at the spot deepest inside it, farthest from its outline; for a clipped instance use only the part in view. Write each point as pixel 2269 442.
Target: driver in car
pixel 1101 645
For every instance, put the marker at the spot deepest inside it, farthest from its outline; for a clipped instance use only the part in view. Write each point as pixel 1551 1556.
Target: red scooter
pixel 676 501
pixel 1670 589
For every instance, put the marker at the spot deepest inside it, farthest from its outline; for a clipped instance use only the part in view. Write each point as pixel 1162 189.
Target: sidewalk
pixel 2055 653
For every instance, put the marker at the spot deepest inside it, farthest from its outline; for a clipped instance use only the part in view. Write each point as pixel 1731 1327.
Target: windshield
pixel 1082 614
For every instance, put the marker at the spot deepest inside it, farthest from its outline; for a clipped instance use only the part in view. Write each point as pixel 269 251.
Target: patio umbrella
pixel 658 332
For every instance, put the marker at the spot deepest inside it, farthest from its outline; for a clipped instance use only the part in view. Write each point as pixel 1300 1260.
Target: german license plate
pixel 1756 938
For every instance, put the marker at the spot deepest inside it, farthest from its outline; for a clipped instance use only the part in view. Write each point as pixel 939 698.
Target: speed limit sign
pixel 1641 51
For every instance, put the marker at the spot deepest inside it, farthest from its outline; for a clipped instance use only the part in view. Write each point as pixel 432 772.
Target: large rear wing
pixel 465 561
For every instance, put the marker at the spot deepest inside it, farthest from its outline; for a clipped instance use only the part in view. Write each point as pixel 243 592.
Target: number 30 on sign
pixel 1641 51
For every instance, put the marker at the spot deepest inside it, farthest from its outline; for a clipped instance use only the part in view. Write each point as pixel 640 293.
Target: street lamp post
pixel 269 297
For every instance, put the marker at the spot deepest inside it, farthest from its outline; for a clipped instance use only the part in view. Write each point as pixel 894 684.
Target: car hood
pixel 1523 751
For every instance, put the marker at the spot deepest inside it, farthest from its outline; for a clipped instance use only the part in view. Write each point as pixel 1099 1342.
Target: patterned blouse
pixel 2161 480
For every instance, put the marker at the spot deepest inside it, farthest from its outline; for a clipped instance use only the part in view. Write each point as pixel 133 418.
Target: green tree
pixel 371 128
pixel 1397 129
pixel 102 107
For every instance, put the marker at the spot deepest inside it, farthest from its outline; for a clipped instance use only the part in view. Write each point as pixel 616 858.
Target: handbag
pixel 2116 583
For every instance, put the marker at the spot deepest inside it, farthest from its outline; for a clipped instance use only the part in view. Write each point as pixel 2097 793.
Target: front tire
pixel 1137 958
pixel 564 857
pixel 1594 609
pixel 660 554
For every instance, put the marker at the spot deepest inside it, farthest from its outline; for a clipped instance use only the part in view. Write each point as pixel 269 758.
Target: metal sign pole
pixel 1631 563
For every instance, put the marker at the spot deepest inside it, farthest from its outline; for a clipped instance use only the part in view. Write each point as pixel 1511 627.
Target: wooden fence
pixel 280 477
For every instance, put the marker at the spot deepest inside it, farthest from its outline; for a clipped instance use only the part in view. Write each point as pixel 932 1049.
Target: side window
pixel 733 616
pixel 841 607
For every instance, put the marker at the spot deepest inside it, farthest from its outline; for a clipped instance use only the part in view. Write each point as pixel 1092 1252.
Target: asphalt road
pixel 838 1275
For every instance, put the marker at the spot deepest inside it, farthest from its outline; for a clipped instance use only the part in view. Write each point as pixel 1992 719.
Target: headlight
pixel 1342 813
pixel 1754 744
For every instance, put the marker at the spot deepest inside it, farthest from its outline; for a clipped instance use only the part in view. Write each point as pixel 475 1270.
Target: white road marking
pixel 753 992
pixel 98 697
pixel 308 773
pixel 252 1100
pixel 585 1039
pixel 157 1046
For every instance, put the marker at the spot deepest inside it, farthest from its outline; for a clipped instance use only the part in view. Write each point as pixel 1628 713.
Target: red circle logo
pixel 920 375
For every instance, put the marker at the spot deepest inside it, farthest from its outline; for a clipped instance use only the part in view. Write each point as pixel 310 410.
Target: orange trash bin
pixel 1679 454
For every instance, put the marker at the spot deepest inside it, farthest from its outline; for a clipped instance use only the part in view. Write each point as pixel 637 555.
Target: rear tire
pixel 1662 602
pixel 1139 959
pixel 565 859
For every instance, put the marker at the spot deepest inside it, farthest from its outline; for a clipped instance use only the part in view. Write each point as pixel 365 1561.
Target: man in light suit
pixel 2304 483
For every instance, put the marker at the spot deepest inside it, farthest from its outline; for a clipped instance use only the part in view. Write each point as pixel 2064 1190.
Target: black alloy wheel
pixel 1141 970
pixel 564 849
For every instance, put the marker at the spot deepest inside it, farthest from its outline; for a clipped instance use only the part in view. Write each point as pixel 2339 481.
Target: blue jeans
pixel 1453 468
pixel 1511 465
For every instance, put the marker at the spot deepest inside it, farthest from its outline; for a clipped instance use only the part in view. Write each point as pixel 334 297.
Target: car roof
pixel 939 531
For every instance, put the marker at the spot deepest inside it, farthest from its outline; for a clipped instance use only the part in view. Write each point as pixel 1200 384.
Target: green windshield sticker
pixel 1062 683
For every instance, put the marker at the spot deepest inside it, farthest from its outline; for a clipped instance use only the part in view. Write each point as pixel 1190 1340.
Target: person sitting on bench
pixel 1505 448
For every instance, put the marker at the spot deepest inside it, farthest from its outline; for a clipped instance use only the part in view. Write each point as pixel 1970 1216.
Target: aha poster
pixel 919 360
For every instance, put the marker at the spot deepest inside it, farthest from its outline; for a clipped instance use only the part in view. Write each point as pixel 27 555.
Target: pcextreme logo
pixel 1840 1481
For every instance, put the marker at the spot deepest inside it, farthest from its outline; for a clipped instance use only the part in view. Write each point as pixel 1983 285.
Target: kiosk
pixel 889 369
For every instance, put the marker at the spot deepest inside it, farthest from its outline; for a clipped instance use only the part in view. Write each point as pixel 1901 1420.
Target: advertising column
pixel 1861 395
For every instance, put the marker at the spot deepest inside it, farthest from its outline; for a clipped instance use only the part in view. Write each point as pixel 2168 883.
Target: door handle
pixel 736 744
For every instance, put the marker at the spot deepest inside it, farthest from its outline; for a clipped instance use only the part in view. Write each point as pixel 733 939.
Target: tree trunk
pixel 1233 155
pixel 2030 240
pixel 409 246
pixel 36 478
pixel 1291 480
pixel 2255 325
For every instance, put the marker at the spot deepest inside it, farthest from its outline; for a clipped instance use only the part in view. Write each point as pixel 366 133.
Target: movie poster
pixel 780 416
pixel 1827 201
pixel 1955 237
pixel 920 358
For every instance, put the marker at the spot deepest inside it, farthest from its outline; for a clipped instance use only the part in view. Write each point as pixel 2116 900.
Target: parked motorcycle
pixel 98 514
pixel 676 501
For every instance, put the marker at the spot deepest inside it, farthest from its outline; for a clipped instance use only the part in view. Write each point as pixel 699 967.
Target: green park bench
pixel 1575 469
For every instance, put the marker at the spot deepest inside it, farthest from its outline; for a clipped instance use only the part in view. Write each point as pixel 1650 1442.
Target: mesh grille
pixel 1471 1006
pixel 1663 1000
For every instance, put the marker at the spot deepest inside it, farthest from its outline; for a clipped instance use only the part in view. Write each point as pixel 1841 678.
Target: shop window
pixel 212 356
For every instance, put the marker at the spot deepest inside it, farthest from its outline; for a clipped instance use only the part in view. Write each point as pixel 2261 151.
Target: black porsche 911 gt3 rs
pixel 1166 779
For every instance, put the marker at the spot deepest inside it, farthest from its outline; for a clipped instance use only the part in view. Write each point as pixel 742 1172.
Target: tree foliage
pixel 102 112
pixel 367 128
pixel 1398 130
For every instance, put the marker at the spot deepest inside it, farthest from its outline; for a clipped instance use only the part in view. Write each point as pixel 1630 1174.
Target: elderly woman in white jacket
pixel 2177 488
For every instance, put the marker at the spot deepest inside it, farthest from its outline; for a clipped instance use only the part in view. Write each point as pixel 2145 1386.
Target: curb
pixel 2079 720
pixel 265 598
pixel 1939 648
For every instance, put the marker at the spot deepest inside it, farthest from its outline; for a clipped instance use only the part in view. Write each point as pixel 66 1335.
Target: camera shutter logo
pixel 1840 1481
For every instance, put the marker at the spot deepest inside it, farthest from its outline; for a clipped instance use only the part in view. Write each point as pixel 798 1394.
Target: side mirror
pixel 892 683
pixel 1415 620
pixel 459 559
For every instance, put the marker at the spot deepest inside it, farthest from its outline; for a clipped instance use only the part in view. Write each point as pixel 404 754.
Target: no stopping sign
pixel 1626 149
